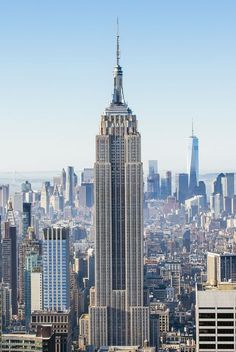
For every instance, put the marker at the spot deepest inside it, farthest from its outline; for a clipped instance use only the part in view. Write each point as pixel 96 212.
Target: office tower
pixel 57 199
pixel 61 327
pixel 215 320
pixel 163 192
pixel 26 218
pixel 228 185
pixel 153 180
pixel 9 256
pixel 87 176
pixel 56 276
pixel 169 183
pixel 217 184
pixel 45 197
pixel 86 195
pixel 193 163
pixel 30 252
pixel 18 201
pixel 119 316
pixel 152 167
pixel 63 179
pixel 70 184
pixel 4 198
pixel 6 305
pixel 33 261
pixel 182 187
pixel 221 268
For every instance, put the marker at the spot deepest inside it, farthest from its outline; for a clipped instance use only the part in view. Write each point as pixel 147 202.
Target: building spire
pixel 192 128
pixel 117 43
pixel 118 96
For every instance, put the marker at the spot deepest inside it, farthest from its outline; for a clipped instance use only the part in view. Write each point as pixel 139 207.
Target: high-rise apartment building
pixel 118 316
pixel 56 276
pixel 193 163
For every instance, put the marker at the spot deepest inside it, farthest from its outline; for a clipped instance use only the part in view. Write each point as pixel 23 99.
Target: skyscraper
pixel 118 316
pixel 9 256
pixel 70 184
pixel 193 163
pixel 153 180
pixel 182 187
pixel 26 218
pixel 56 276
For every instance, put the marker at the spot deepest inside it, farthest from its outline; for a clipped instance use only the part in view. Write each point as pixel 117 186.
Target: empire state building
pixel 117 312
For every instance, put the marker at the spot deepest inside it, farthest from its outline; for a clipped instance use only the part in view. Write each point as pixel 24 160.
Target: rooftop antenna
pixel 117 43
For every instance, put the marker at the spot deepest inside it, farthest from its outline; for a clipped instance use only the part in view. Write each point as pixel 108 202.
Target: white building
pixel 215 320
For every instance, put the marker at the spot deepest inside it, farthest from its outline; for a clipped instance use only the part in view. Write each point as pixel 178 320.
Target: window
pixel 225 331
pixel 225 315
pixel 207 347
pixel 225 323
pixel 207 315
pixel 207 331
pixel 207 338
pixel 223 347
pixel 225 338
pixel 207 323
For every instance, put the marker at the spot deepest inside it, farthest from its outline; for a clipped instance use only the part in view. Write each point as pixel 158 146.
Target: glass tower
pixel 56 276
pixel 193 163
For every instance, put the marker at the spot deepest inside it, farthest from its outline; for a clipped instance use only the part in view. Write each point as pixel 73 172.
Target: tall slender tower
pixel 193 163
pixel 117 314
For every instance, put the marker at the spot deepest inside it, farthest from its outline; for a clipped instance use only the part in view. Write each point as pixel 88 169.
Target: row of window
pixel 213 331
pixel 213 315
pixel 219 346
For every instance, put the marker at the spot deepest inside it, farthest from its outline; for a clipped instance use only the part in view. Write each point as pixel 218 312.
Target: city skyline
pixel 54 70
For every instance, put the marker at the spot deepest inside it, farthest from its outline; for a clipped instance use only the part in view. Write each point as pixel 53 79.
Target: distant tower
pixel 70 184
pixel 153 180
pixel 56 276
pixel 118 315
pixel 182 187
pixel 193 163
pixel 9 256
pixel 26 218
pixel 63 179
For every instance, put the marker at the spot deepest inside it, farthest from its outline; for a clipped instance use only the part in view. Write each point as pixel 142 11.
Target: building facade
pixel 118 316
pixel 56 276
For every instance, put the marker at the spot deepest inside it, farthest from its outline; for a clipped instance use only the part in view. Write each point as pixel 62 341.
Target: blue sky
pixel 56 63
